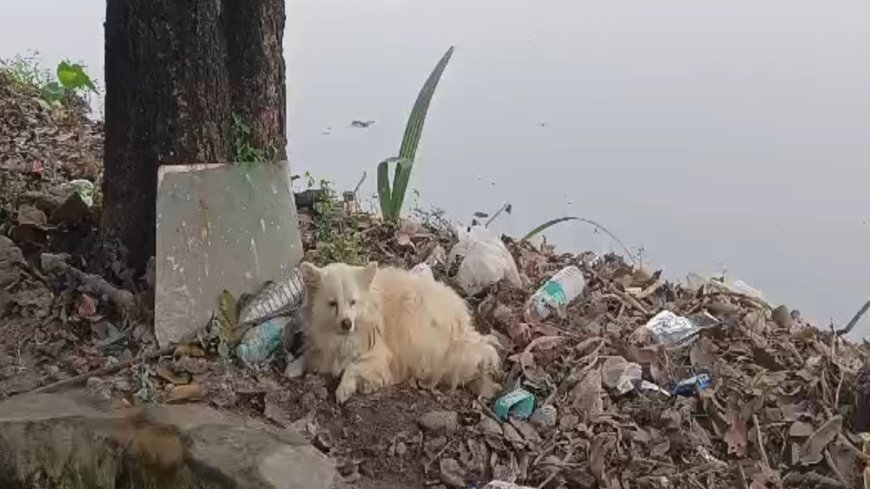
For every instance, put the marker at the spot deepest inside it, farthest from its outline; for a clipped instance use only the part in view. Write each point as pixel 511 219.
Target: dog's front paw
pixel 346 387
pixel 370 386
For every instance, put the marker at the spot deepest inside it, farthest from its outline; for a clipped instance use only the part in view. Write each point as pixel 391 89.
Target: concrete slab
pixel 219 226
pixel 64 441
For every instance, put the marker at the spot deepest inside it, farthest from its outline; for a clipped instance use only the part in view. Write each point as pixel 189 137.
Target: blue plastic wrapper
pixel 519 402
pixel 695 383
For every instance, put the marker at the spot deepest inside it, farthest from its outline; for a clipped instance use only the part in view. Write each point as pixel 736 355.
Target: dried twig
pixel 498 213
pixel 852 448
pixel 855 319
pixel 834 468
pixel 78 379
pixel 556 471
pixel 839 386
pixel 55 264
pixel 437 456
pixel 760 441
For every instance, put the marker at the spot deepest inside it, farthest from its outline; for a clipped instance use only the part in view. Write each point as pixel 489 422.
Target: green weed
pixel 27 72
pixel 245 152
pixel 552 222
pixel 392 197
pixel 336 232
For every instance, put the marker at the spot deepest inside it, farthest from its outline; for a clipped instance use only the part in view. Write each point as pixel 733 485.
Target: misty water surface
pixel 708 134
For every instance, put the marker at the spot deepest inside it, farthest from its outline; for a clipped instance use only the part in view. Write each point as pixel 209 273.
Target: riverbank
pixel 776 412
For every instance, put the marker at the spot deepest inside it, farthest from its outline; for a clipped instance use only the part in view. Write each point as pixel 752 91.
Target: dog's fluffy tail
pixel 469 357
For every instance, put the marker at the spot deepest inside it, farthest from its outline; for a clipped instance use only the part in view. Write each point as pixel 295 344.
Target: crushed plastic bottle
pixel 279 298
pixel 695 383
pixel 565 286
pixel 261 341
pixel 668 329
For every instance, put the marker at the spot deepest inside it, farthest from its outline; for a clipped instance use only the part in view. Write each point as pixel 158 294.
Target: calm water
pixel 732 134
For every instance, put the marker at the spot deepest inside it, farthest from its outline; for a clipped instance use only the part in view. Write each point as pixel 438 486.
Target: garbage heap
pixel 628 380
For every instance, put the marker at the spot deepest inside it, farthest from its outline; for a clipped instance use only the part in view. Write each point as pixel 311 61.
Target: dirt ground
pixel 778 411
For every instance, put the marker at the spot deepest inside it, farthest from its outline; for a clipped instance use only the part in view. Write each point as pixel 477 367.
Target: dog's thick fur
pixel 381 326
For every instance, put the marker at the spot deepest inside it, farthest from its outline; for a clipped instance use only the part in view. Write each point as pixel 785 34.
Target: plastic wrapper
pixel 483 260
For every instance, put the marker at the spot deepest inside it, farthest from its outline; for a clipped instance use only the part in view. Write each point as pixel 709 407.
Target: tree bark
pixel 176 73
pixel 255 61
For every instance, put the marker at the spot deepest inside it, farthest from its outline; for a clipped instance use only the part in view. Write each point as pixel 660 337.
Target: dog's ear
pixel 311 275
pixel 368 274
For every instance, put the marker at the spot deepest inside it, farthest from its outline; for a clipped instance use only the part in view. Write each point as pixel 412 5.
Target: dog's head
pixel 337 294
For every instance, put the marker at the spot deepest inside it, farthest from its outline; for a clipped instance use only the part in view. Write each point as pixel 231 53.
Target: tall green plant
pixel 392 197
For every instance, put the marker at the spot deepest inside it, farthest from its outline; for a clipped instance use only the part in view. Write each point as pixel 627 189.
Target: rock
pixel 544 417
pixel 488 426
pixel 452 473
pixel 440 421
pixel 67 437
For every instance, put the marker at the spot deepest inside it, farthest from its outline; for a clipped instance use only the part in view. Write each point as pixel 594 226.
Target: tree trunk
pixel 255 30
pixel 177 71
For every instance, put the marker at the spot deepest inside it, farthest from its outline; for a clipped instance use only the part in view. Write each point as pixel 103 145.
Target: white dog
pixel 381 326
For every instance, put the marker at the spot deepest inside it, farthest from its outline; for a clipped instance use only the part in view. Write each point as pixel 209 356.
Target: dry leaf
pixel 168 375
pixel 27 214
pixel 765 478
pixel 188 350
pixel 587 395
pixel 87 306
pixel 182 393
pixel 812 450
pixel 799 429
pixel 736 435
pixel 598 451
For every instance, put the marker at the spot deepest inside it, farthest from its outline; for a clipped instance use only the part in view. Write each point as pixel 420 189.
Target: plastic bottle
pixel 277 299
pixel 260 341
pixel 558 292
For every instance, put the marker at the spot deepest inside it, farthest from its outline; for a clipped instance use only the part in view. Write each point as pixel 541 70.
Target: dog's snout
pixel 346 324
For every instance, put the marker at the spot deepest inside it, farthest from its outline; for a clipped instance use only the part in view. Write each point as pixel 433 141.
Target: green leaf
pixel 229 317
pixel 552 222
pixel 384 189
pixel 414 128
pixel 73 77
pixel 52 92
pixel 413 132
pixel 400 184
pixel 547 225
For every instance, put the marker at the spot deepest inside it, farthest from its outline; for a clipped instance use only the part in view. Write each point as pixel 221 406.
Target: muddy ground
pixel 777 413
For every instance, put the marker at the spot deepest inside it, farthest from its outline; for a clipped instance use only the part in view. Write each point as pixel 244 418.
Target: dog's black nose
pixel 346 324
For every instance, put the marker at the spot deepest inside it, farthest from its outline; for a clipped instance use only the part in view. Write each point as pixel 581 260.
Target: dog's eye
pixel 352 303
pixel 333 304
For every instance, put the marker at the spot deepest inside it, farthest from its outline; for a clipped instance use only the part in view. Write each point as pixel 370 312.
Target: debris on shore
pixel 638 382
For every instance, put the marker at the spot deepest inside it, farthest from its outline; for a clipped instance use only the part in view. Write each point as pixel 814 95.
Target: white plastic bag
pixel 484 260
